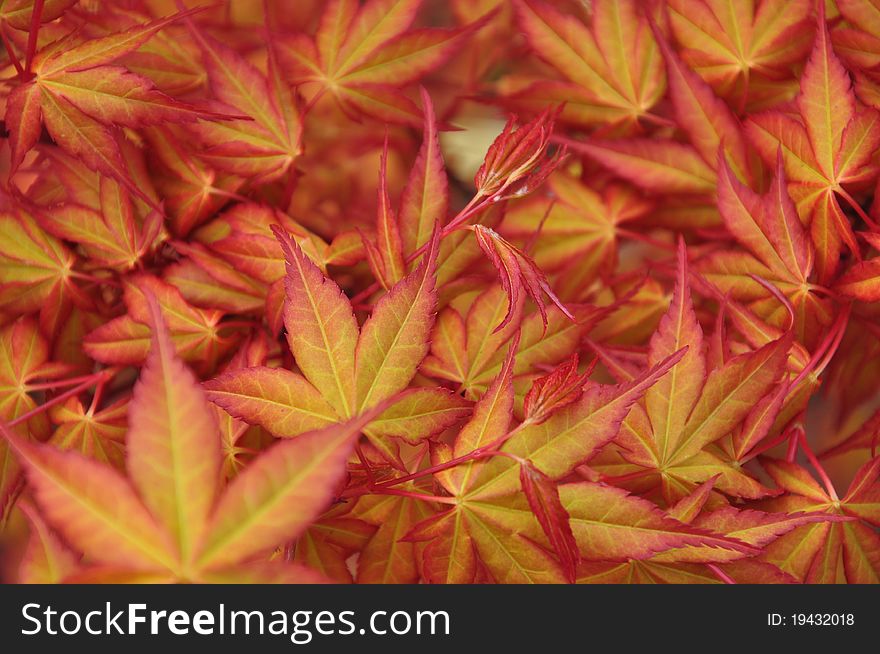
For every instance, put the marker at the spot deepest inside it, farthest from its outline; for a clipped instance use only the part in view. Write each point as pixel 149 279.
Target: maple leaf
pixel 558 445
pixel 612 70
pixel 779 414
pixel 490 514
pixel 346 369
pixel 111 236
pixel 172 520
pixel 688 410
pixel 743 50
pixel 579 229
pixel 126 339
pixel 826 147
pixel 782 254
pixel 192 190
pixel 362 55
pixel 858 45
pixel 266 139
pixel 80 96
pixel 99 434
pixel 35 272
pixel 25 361
pixel 665 165
pixel 469 351
pixel 706 564
pixel 458 534
pixel 828 551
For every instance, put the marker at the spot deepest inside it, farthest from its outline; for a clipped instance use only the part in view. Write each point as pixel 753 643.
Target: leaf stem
pixel 793 441
pixel 644 238
pixel 835 344
pixel 416 496
pixel 744 98
pixel 857 208
pixel 638 474
pixel 96 397
pixel 486 451
pixel 95 280
pixel 10 52
pixel 76 390
pixel 760 448
pixel 775 292
pixel 718 572
pixel 475 204
pixel 367 468
pixel 240 324
pixel 814 461
pixel 60 383
pixel 468 210
pixel 821 290
pixel 533 237
pixel 659 121
pixel 826 349
pixel 36 16
pixel 223 193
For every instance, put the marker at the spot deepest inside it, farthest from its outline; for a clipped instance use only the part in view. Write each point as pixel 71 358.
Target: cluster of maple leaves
pixel 254 329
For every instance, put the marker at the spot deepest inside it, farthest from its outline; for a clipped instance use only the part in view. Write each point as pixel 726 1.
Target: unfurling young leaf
pixel 517 273
pixel 516 162
pixel 550 393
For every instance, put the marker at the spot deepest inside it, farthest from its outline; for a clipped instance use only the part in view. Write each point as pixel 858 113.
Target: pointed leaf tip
pixel 173 441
